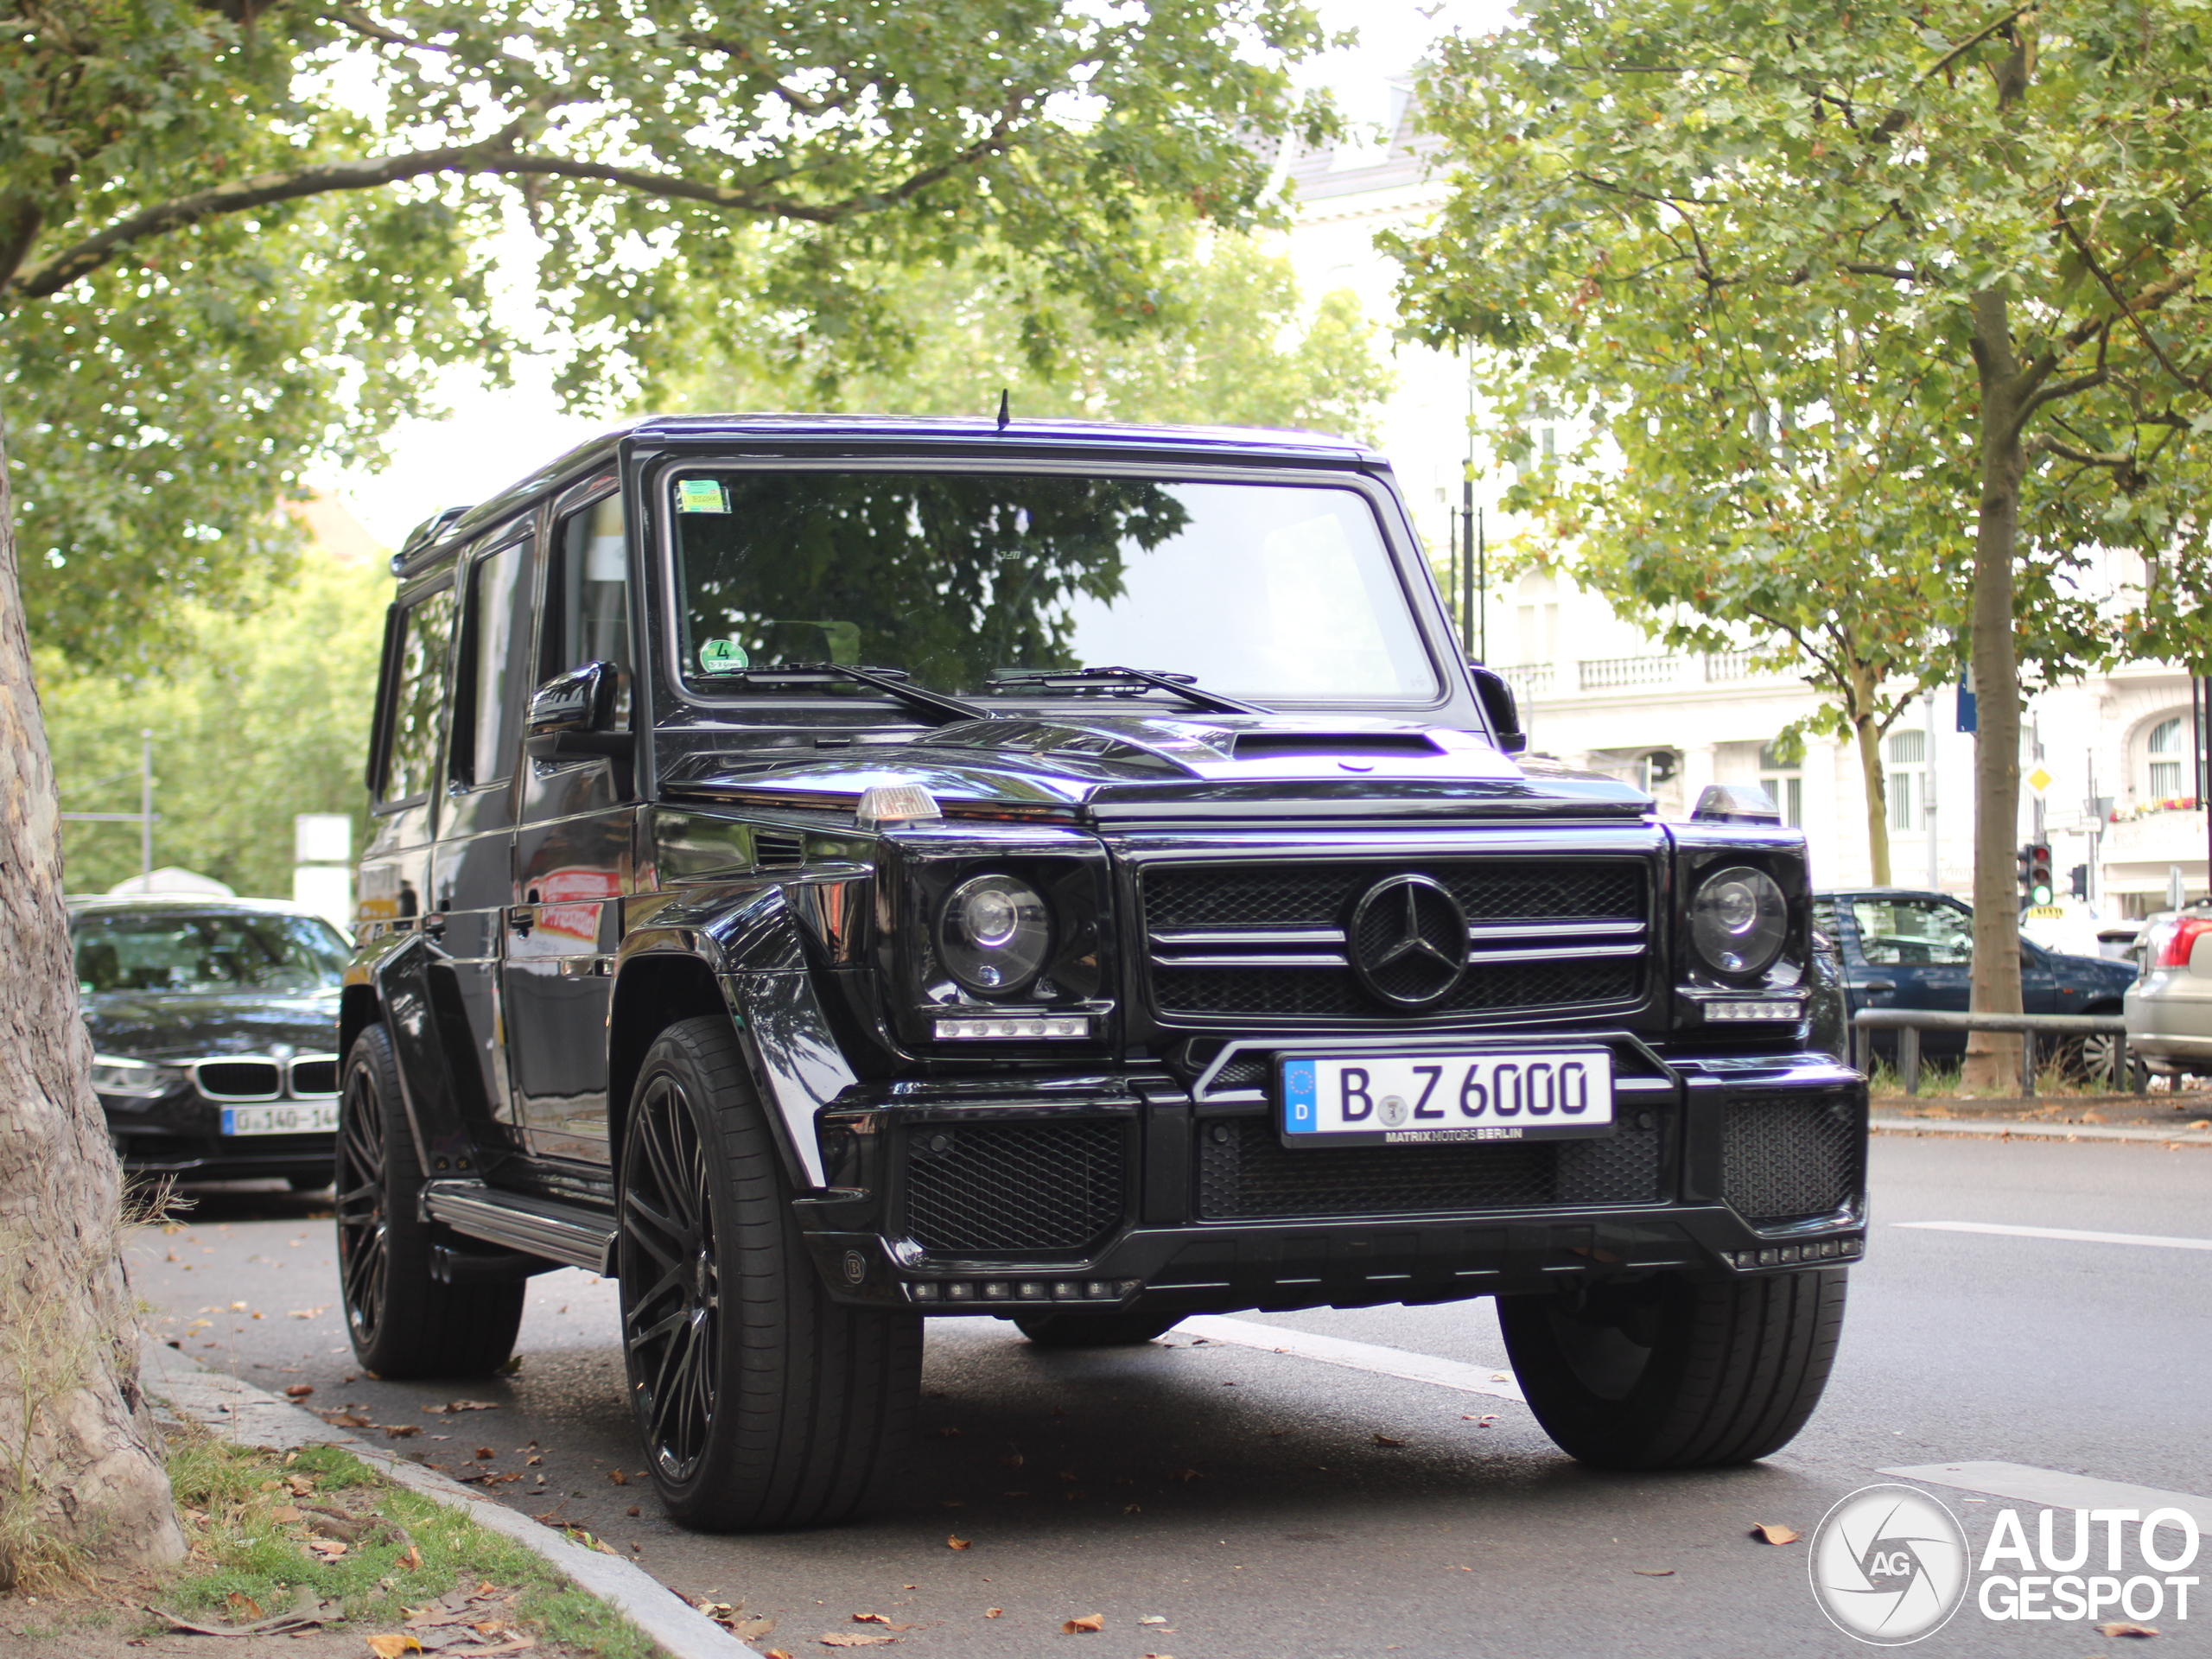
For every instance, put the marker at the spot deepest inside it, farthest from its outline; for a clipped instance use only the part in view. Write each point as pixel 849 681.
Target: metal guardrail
pixel 1909 1023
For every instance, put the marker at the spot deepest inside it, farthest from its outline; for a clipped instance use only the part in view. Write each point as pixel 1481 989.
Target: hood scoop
pixel 1331 746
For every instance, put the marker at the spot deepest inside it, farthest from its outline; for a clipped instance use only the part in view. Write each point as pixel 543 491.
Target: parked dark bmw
pixel 831 874
pixel 212 1023
pixel 1904 949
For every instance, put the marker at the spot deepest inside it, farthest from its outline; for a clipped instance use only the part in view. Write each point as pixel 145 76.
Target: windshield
pixel 207 953
pixel 1258 591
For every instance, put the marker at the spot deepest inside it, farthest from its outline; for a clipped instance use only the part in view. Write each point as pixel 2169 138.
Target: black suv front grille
pixel 1030 1190
pixel 1245 1172
pixel 1785 1158
pixel 1254 941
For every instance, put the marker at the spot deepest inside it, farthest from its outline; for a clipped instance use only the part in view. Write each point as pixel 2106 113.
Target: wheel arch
pixel 652 992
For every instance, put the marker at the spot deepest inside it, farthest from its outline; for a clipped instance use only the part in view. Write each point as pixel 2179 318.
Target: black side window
pixel 588 591
pixel 494 639
pixel 416 699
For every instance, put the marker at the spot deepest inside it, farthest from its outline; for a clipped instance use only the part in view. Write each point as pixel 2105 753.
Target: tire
pixel 1094 1330
pixel 404 1323
pixel 761 1403
pixel 1676 1373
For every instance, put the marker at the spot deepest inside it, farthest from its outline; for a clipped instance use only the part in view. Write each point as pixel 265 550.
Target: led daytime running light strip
pixel 1722 1012
pixel 1014 1028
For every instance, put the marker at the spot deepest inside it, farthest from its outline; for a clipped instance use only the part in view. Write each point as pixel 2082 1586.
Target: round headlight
pixel 994 934
pixel 1738 919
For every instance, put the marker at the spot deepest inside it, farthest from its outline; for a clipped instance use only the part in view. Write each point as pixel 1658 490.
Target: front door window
pixel 1913 933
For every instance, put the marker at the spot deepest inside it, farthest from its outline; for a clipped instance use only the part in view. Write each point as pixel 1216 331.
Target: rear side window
pixel 489 707
pixel 417 703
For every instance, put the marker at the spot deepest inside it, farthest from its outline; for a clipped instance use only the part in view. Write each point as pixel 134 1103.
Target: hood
pixel 160 1025
pixel 1103 767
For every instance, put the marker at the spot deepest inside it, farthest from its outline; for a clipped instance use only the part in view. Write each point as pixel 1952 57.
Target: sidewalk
pixel 247 1416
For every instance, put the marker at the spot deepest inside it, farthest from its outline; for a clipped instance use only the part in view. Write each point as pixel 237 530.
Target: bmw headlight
pixel 112 1075
pixel 1739 920
pixel 994 934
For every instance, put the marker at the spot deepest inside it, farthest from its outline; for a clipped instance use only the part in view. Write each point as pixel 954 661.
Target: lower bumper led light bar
pixel 1019 1027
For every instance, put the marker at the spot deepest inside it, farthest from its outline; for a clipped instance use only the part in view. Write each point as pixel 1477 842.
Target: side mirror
pixel 1504 714
pixel 571 715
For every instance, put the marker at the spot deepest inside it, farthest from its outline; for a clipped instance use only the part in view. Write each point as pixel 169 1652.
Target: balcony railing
pixel 1614 673
pixel 1530 681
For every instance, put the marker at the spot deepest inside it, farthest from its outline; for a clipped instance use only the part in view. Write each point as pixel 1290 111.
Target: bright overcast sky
pixel 492 438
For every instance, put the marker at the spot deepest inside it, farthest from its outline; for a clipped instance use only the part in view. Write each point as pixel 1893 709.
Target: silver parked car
pixel 2169 1008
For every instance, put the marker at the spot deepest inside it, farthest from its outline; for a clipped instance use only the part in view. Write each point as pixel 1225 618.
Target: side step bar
pixel 566 1233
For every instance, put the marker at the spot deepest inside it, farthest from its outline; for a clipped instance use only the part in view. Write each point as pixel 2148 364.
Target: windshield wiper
pixel 1180 684
pixel 892 682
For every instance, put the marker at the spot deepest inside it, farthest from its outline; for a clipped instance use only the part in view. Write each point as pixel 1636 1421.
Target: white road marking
pixel 2072 1234
pixel 2053 1489
pixel 1356 1356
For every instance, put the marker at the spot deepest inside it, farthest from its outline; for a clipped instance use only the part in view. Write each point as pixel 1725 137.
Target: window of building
pixel 1907 780
pixel 1785 781
pixel 2168 749
pixel 1538 596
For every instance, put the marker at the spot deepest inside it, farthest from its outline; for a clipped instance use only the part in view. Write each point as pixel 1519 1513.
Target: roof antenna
pixel 1005 413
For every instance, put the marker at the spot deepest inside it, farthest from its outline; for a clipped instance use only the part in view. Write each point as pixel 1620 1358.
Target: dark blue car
pixel 1903 948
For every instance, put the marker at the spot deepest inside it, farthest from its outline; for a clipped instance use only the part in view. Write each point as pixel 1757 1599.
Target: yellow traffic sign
pixel 2039 780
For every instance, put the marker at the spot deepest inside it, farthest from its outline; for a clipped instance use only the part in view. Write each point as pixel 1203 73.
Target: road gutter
pixel 246 1416
pixel 2018 1128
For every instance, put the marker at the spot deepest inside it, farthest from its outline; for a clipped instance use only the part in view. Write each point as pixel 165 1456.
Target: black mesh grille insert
pixel 1787 1157
pixel 239 1079
pixel 1025 1189
pixel 1317 895
pixel 1248 1172
pixel 1334 991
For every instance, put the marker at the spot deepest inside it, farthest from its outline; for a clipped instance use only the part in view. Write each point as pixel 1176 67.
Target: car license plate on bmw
pixel 1412 1099
pixel 283 1117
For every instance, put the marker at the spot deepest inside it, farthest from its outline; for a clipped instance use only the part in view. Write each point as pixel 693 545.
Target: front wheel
pixel 1673 1373
pixel 761 1403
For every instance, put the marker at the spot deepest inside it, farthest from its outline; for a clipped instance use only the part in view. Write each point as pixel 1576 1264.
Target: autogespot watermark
pixel 1890 1565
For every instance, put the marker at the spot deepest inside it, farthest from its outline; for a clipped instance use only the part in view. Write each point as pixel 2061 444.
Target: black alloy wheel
pixel 1676 1373
pixel 403 1322
pixel 671 1287
pixel 761 1401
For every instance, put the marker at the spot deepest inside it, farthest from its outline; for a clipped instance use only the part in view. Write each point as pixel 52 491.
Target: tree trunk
pixel 1861 709
pixel 1994 1057
pixel 80 1472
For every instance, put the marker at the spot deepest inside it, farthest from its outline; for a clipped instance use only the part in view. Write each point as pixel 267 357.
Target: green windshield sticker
pixel 723 656
pixel 702 495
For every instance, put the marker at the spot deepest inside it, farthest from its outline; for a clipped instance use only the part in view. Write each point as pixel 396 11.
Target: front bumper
pixel 995 1196
pixel 181 1136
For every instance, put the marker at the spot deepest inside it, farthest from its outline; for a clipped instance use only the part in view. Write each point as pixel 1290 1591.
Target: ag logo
pixel 1889 1564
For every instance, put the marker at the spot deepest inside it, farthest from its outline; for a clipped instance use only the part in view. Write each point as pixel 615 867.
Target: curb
pixel 2002 1129
pixel 242 1413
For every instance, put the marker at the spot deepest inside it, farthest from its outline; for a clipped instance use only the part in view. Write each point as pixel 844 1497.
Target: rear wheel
pixel 1094 1330
pixel 1674 1373
pixel 404 1323
pixel 761 1401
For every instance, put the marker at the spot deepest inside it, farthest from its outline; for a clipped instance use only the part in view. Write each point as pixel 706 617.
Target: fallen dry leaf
pixel 484 1454
pixel 955 1543
pixel 775 1653
pixel 1089 1624
pixel 299 1390
pixel 1654 1572
pixel 329 1548
pixel 283 1514
pixel 346 1419
pixel 399 1431
pixel 464 1405
pixel 308 1313
pixel 1152 1618
pixel 244 1606
pixel 993 1612
pixel 1132 1509
pixel 837 1639
pixel 412 1560
pixel 390 1646
pixel 1769 1532
pixel 2126 1629
pixel 1384 1439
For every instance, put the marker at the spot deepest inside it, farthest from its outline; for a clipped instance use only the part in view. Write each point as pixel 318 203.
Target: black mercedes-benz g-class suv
pixel 832 872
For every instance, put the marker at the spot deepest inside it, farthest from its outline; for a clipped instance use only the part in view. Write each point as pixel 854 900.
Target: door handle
pixel 1874 985
pixel 521 918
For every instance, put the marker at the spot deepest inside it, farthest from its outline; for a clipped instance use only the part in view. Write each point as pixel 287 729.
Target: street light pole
pixel 145 811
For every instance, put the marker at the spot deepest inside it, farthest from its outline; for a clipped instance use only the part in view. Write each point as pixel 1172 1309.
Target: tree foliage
pixel 1232 350
pixel 1694 218
pixel 235 238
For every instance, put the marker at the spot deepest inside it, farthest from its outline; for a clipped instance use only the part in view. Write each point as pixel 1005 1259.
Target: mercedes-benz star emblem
pixel 1409 941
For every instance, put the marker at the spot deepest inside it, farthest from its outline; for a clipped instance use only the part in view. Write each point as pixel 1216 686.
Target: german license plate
pixel 282 1117
pixel 1413 1099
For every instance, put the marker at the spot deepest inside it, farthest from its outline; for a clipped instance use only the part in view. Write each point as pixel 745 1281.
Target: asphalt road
pixel 1243 1495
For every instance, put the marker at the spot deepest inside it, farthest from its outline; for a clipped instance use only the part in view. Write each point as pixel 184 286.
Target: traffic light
pixel 2041 886
pixel 2077 881
pixel 2023 860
